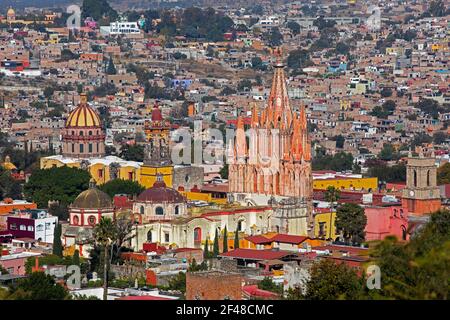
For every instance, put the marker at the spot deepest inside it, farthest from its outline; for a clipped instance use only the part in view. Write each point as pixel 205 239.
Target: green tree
pixel 132 152
pixel 419 269
pixel 332 196
pixel 224 171
pixel 387 153
pixel 443 174
pixel 178 282
pixel 98 10
pixel 57 244
pixel 437 8
pixel 225 239
pixel 104 235
pixel 206 253
pixel 440 137
pixel 294 26
pixel 332 281
pixel 351 221
pixel 61 184
pixel 38 286
pixel 216 245
pixel 386 92
pixel 236 238
pixel 268 284
pixel 275 37
pixel 121 186
pixel 111 67
pixel 76 257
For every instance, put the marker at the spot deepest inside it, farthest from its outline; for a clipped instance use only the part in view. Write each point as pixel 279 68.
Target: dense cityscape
pixel 224 150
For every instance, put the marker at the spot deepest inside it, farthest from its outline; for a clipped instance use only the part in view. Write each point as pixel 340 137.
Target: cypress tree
pixel 76 258
pixel 216 245
pixel 111 67
pixel 206 250
pixel 57 244
pixel 225 240
pixel 236 238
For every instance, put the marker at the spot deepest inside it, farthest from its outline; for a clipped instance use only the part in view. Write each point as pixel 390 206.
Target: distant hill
pixel 21 4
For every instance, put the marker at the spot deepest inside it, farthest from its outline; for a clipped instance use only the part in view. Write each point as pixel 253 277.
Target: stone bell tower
pixel 421 195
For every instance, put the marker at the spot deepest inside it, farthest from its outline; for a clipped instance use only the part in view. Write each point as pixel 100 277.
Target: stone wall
pixel 213 285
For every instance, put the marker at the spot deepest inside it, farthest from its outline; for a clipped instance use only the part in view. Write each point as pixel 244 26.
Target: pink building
pixel 386 221
pixel 15 263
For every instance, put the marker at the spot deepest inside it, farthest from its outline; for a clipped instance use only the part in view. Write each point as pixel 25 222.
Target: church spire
pixel 279 108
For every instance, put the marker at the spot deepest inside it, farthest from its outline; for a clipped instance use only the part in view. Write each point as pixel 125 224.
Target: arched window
pixel 177 209
pixel 197 235
pixel 149 236
pixel 428 178
pixel 141 210
pixel 159 211
pixel 73 132
pixel 76 220
pixel 404 234
pixel 90 132
pixel 415 178
pixel 81 133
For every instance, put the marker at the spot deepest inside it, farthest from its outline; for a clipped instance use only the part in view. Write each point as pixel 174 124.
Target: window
pixel 73 148
pixel 130 175
pixel 76 220
pixel 428 178
pixel 81 133
pixel 321 229
pixel 40 227
pixel 13 226
pixel 92 220
pixel 149 236
pixel 81 148
pixel 415 178
pixel 177 209
pixel 23 227
pixel 100 173
pixel 141 210
pixel 30 228
pixel 166 237
pixel 159 211
pixel 197 235
pixel 47 226
pixel 90 133
pixel 90 147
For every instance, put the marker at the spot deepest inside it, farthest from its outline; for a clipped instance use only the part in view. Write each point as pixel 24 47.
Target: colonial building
pixel 276 163
pixel 85 212
pixel 277 160
pixel 421 195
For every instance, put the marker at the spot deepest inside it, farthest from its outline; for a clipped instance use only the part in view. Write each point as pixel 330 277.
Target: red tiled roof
pixel 287 238
pixel 187 249
pixel 258 239
pixel 254 254
pixel 254 291
pixel 143 298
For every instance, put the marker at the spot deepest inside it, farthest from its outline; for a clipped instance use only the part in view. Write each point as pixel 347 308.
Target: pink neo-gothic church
pixel 277 159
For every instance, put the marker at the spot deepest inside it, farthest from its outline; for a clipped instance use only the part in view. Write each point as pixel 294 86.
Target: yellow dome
pixel 83 116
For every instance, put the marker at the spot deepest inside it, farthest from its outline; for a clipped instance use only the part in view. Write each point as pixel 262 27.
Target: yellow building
pixel 365 184
pixel 322 222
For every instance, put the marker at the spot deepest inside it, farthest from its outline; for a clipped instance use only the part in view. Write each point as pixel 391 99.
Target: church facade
pixel 274 166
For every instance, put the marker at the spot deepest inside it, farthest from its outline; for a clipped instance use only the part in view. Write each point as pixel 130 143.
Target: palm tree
pixel 332 195
pixel 105 234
